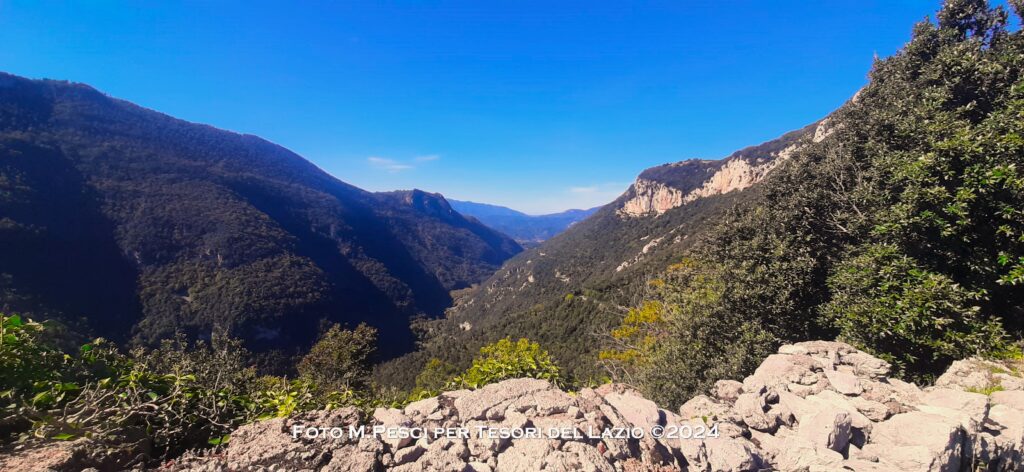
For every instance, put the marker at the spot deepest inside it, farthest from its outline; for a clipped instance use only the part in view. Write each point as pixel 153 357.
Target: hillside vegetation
pixel 132 225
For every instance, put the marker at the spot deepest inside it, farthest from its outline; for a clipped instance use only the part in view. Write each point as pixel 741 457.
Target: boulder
pixel 827 429
pixel 919 441
pixel 753 410
pixel 727 390
pixel 475 405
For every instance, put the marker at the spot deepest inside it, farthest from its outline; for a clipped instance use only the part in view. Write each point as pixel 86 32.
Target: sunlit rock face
pixel 660 189
pixel 652 198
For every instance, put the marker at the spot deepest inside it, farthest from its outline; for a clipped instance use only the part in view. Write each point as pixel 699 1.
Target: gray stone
pixel 919 441
pixel 827 428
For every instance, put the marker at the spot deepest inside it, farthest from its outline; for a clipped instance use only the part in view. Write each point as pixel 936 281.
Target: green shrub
pixel 507 359
pixel 916 319
pixel 685 337
pixel 436 374
pixel 340 359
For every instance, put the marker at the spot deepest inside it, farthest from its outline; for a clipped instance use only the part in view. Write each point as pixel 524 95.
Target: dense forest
pixel 132 225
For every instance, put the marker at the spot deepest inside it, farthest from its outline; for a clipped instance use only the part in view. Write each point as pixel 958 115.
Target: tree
pixel 340 359
pixel 436 374
pixel 916 319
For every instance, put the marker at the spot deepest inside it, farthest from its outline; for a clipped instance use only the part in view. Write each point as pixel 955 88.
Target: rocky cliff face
pixel 688 181
pixel 814 406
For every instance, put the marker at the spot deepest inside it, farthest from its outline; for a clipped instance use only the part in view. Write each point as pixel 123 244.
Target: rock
pixel 474 405
pixel 973 405
pixel 1003 449
pixel 752 409
pixel 422 408
pixel 477 467
pixel 732 454
pixel 832 401
pixel 919 441
pixel 701 406
pixel 827 428
pixel 1012 398
pixel 636 410
pixel 816 406
pixel 844 382
pixel 408 454
pixel 972 374
pixel 393 418
pixel 781 370
pixel 80 454
pixel 798 454
pixel 866 365
pixel 872 410
pixel 728 390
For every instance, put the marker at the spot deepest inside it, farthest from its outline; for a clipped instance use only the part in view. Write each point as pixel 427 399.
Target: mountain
pixel 525 229
pixel 579 282
pixel 131 224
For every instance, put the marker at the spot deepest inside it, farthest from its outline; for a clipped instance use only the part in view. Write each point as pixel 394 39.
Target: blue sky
pixel 539 106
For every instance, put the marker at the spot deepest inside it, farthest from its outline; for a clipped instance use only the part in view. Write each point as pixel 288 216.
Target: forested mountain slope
pixel 580 282
pixel 131 224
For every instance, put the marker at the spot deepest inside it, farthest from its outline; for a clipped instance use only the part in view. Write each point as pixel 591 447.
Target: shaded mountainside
pixel 525 229
pixel 133 224
pixel 579 282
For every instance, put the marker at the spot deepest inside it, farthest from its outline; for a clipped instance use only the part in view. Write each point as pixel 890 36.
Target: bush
pixel 340 359
pixel 506 359
pixel 683 339
pixel 918 320
pixel 162 402
pixel 436 374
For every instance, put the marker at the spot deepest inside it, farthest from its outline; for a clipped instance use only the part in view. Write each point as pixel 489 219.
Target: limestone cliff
pixel 660 189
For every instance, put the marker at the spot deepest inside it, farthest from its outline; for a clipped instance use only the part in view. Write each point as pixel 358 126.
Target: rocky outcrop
pixel 651 198
pixel 660 189
pixel 814 406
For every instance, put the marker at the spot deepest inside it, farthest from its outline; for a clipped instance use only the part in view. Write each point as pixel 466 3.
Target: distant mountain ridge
pixel 132 224
pixel 525 229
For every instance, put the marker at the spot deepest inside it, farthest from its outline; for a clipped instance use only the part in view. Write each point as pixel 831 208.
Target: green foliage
pixel 987 390
pixel 434 377
pixel 629 346
pixel 507 359
pixel 684 338
pixel 24 362
pixel 340 359
pixel 916 319
pixel 179 396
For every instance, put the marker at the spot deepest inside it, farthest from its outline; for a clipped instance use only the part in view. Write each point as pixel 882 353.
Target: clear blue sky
pixel 540 106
